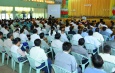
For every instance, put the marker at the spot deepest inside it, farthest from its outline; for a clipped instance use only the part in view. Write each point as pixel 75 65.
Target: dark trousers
pixel 45 69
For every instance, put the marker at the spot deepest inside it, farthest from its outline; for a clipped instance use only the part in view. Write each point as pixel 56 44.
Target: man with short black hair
pixel 57 43
pixel 107 54
pixel 98 36
pixel 76 37
pixel 64 59
pixel 34 36
pixel 92 40
pixel 97 62
pixel 79 48
pixel 8 42
pixel 44 45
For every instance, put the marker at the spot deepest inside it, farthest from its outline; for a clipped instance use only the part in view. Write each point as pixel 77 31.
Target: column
pixel 14 13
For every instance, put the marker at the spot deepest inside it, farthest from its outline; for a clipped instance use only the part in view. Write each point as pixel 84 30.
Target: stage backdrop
pixel 90 7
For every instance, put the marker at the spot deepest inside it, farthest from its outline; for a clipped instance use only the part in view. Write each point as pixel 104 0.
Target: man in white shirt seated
pixel 24 40
pixel 107 54
pixel 5 32
pixel 76 37
pixel 63 35
pixel 16 49
pixel 1 41
pixel 92 40
pixel 8 42
pixel 16 34
pixel 98 36
pixel 34 36
pixel 39 55
pixel 2 29
pixel 57 43
pixel 38 29
pixel 44 45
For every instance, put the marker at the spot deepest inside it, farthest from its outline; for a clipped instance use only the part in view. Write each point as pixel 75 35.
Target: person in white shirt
pixel 107 54
pixel 76 37
pixel 5 32
pixel 16 49
pixel 2 29
pixel 23 36
pixel 92 40
pixel 38 29
pixel 67 27
pixel 43 42
pixel 8 42
pixel 25 30
pixel 39 55
pixel 63 35
pixel 98 36
pixel 1 42
pixel 16 34
pixel 84 33
pixel 57 43
pixel 34 36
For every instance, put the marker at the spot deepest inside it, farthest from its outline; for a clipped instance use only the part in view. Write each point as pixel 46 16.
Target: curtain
pixel 89 7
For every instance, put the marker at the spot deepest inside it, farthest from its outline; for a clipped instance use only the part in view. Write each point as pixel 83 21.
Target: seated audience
pixel 1 41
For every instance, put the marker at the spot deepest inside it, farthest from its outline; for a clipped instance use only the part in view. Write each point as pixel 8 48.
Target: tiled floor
pixel 7 68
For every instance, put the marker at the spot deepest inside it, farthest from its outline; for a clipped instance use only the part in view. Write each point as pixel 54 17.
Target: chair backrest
pixel 90 47
pixel 30 44
pixel 78 57
pixel 70 36
pixel 1 49
pixel 106 38
pixel 113 51
pixel 50 39
pixel 107 66
pixel 8 51
pixel 58 69
pixel 56 50
pixel 14 56
pixel 31 61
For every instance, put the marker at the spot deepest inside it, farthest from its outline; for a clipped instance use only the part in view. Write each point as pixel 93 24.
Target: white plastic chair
pixel 3 54
pixel 32 64
pixel 90 47
pixel 15 60
pixel 56 50
pixel 58 69
pixel 107 66
pixel 70 36
pixel 79 59
pixel 106 38
pixel 8 53
pixel 113 51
